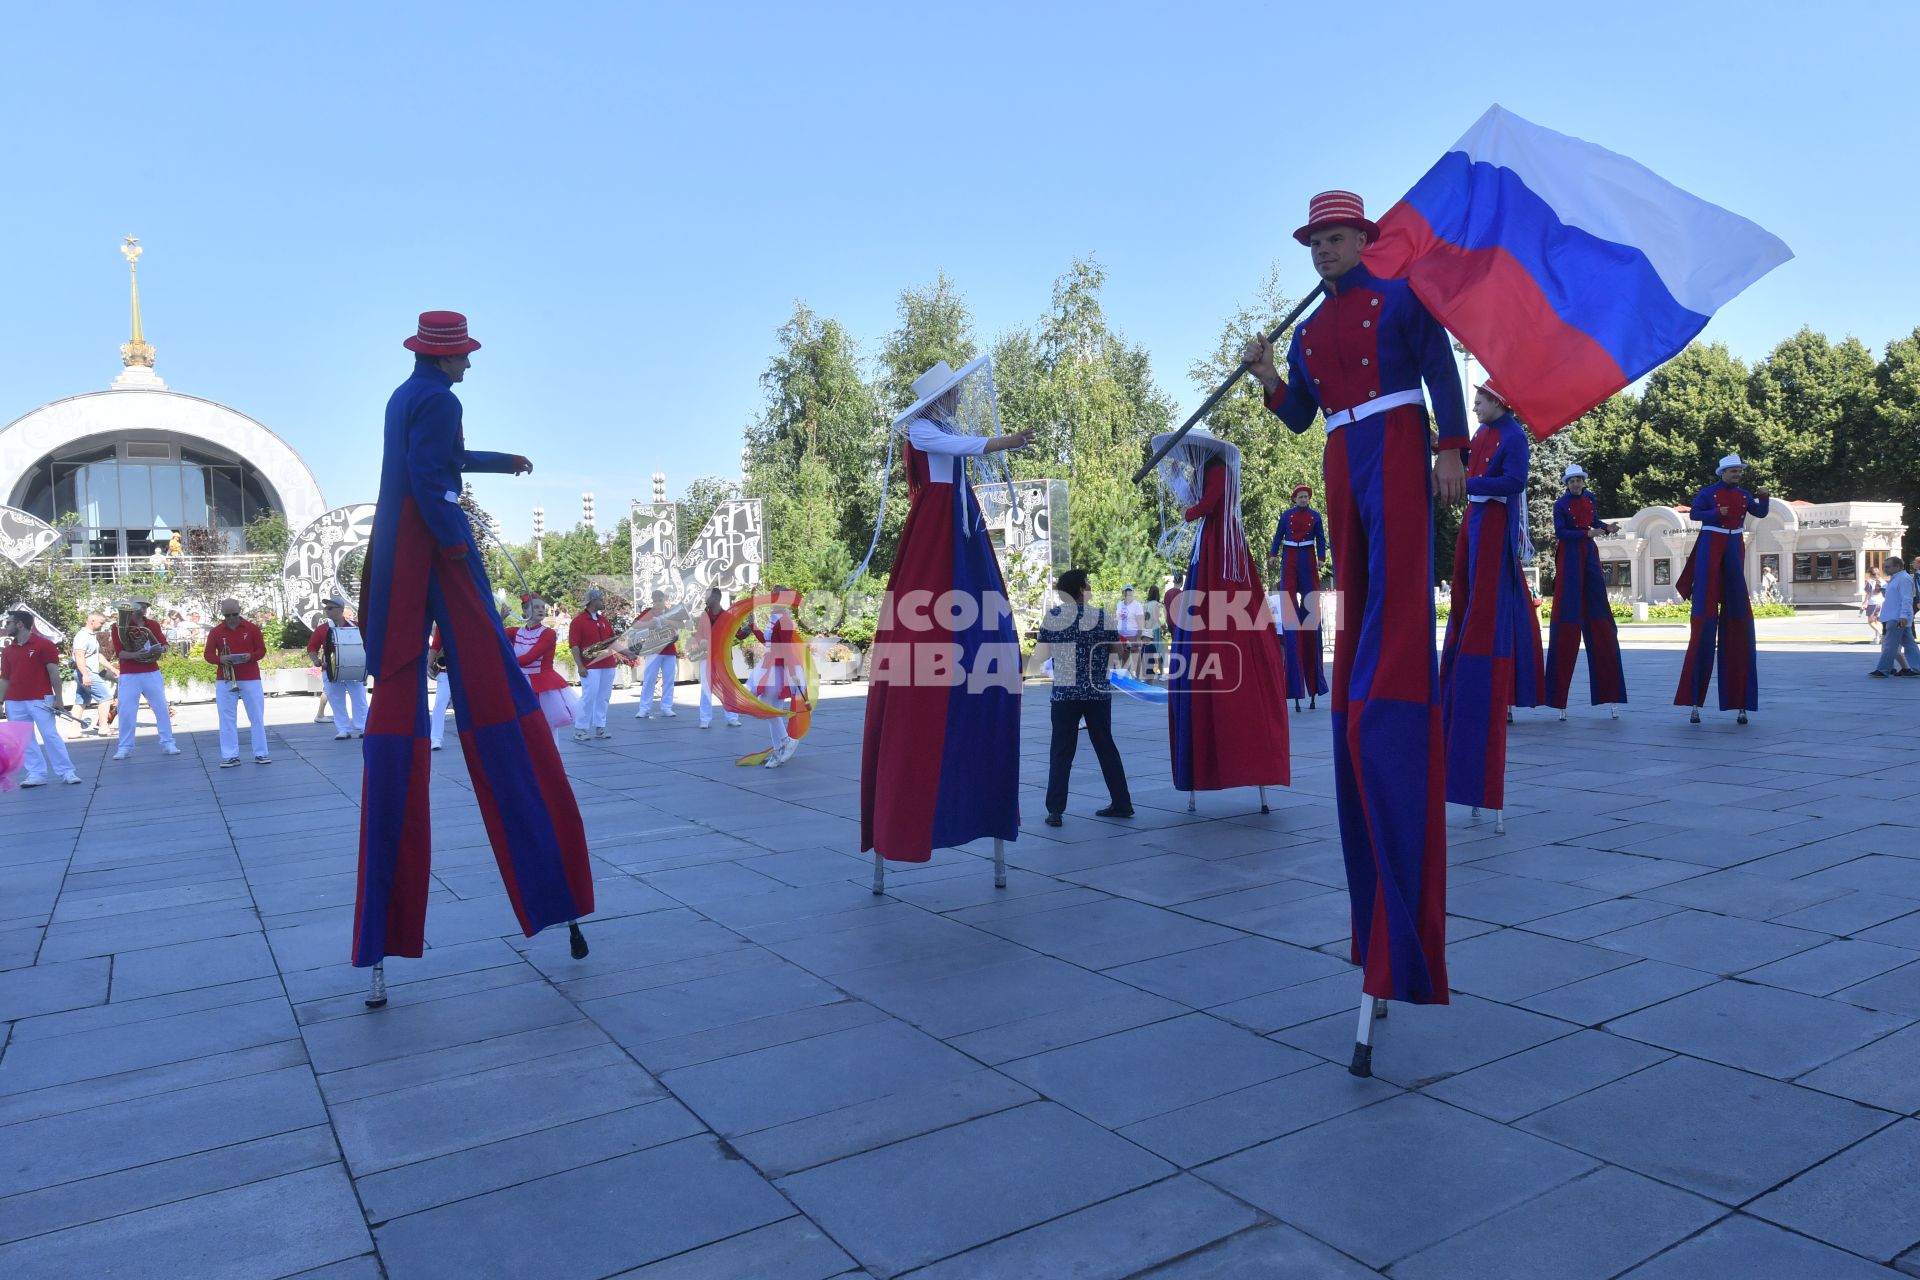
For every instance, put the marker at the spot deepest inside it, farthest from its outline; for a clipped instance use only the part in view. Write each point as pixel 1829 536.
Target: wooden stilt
pixel 1362 1064
pixel 377 993
pixel 879 873
pixel 1190 806
pixel 1263 801
pixel 999 863
pixel 1499 822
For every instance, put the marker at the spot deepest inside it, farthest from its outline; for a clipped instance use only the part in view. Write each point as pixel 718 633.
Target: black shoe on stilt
pixel 1296 706
pixel 1742 719
pixel 577 940
pixel 1693 716
pixel 1311 704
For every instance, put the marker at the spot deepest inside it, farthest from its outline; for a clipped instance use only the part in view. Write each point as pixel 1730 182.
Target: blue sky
pixel 628 199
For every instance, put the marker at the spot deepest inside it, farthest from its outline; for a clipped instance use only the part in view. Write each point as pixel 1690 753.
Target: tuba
pixel 601 648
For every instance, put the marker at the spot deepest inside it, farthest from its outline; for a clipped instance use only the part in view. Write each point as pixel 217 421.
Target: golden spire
pixel 136 350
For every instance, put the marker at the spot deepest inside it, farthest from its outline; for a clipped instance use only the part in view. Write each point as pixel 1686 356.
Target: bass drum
pixel 346 658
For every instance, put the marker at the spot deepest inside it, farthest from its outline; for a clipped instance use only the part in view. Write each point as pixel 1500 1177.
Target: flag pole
pixel 1206 406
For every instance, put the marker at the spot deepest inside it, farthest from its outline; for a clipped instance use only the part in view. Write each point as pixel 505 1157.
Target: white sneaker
pixel 342 736
pixel 34 782
pixel 601 733
pixel 643 715
pixel 581 735
pixel 169 750
pixel 733 722
pixel 671 714
pixel 706 724
pixel 774 761
pixel 436 746
pixel 787 749
pixel 72 779
pixel 119 755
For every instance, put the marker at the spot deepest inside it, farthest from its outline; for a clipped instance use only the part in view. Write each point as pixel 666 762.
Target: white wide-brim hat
pixel 936 382
pixel 1573 469
pixel 1731 460
pixel 1201 438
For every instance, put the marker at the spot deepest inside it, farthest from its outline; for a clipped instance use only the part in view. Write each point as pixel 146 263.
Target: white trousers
pixel 341 697
pixel 661 667
pixel 40 712
pixel 228 703
pixel 596 691
pixel 442 699
pixel 706 697
pixel 152 686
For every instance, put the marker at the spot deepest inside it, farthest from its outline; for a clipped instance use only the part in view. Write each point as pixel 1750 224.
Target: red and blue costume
pixel 1360 359
pixel 1491 660
pixel 1716 579
pixel 1580 609
pixel 424 568
pixel 940 755
pixel 1300 542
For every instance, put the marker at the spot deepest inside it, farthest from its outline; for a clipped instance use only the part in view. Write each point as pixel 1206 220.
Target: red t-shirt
pixel 237 637
pixel 586 630
pixel 318 639
pixel 129 666
pixel 24 664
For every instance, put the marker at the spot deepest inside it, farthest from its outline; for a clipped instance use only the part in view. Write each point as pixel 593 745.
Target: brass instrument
pixel 644 638
pixel 233 672
pixel 601 648
pixel 132 627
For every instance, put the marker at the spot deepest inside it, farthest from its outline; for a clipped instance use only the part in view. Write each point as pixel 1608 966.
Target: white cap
pixel 1731 460
pixel 1574 469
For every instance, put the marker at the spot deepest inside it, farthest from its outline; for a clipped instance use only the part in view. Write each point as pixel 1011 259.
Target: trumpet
pixel 233 672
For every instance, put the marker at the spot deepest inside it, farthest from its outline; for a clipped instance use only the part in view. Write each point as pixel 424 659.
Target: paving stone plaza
pixel 1682 1042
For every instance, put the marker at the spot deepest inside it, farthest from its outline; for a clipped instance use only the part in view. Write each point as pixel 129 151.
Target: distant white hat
pixel 1731 460
pixel 1574 469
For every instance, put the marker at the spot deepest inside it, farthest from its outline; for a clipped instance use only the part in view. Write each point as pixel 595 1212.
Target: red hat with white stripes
pixel 442 333
pixel 1303 488
pixel 1336 209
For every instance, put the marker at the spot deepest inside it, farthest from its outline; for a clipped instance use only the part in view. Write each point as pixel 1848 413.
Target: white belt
pixel 1486 497
pixel 1714 528
pixel 1289 542
pixel 1380 404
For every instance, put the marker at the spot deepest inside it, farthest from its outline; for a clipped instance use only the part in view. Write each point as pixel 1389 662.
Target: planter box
pixel 191 692
pixel 289 681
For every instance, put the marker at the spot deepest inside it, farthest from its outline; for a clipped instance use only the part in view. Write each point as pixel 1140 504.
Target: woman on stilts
pixel 1580 605
pixel 1300 543
pixel 1716 579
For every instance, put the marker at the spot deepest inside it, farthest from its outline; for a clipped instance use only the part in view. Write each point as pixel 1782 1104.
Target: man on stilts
pixel 1300 543
pixel 1580 605
pixel 1491 661
pixel 1359 360
pixel 424 569
pixel 1716 579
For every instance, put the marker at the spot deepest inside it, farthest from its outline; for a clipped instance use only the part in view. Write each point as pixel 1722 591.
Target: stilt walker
pixel 1580 607
pixel 940 755
pixel 424 568
pixel 1300 542
pixel 1716 579
pixel 1359 361
pixel 1491 661
pixel 1226 679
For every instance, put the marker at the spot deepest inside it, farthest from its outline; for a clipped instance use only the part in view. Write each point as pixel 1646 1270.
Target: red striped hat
pixel 1336 209
pixel 1488 387
pixel 1303 488
pixel 442 333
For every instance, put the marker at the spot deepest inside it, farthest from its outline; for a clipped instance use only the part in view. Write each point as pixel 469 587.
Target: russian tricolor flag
pixel 1569 271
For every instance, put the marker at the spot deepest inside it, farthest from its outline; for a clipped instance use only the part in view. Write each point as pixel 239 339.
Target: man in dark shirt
pixel 1079 637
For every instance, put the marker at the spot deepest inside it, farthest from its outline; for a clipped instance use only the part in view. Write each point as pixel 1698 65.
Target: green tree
pixel 1891 469
pixel 1549 463
pixel 697 504
pixel 1695 410
pixel 1816 402
pixel 1603 438
pixel 934 325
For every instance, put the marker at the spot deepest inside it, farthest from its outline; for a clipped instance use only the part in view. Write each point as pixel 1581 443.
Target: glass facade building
pixel 133 495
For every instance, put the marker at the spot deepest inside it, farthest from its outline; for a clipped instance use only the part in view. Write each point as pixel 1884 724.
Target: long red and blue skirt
pixel 1491 660
pixel 1716 577
pixel 1387 757
pixel 1580 610
pixel 1299 581
pixel 531 817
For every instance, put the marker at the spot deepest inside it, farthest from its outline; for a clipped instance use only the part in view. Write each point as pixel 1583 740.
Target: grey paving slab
pixel 1101 935
pixel 1510 900
pixel 598 1220
pixel 455 1061
pixel 788 1082
pixel 913 1109
pixel 1744 1133
pixel 678 1009
pixel 490 1166
pixel 186 965
pixel 1151 1070
pixel 36 1063
pixel 1883 873
pixel 1107 1241
pixel 1723 945
pixel 792 1249
pixel 1588 1229
pixel 119 934
pixel 1468 1170
pixel 1534 1079
pixel 1595 1000
pixel 1897 991
pixel 1228 971
pixel 1741 893
pixel 1826 969
pixel 1753 1250
pixel 1760 1029
pixel 976 997
pixel 275 1227
pixel 1305 922
pixel 1849 913
pixel 1025 1037
pixel 1247 1117
pixel 1420 1044
pixel 1269 1250
pixel 1881 1074
pixel 1865 1200
pixel 53 988
pixel 379 1034
pixel 1512 964
pixel 1046 1162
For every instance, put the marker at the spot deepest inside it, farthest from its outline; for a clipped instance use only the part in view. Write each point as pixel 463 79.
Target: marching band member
pixel 534 644
pixel 1716 579
pixel 1491 660
pixel 1580 605
pixel 30 687
pixel 703 643
pixel 1300 543
pixel 590 627
pixel 347 698
pixel 424 567
pixel 236 648
pixel 1359 359
pixel 138 646
pixel 1226 684
pixel 781 673
pixel 940 752
pixel 661 667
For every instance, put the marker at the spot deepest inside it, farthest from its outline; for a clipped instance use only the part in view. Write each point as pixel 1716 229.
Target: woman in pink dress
pixel 533 645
